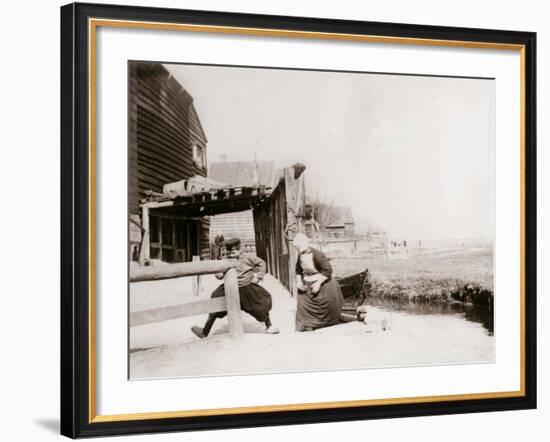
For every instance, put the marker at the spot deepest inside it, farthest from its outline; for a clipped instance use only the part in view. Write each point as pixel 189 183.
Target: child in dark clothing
pixel 255 300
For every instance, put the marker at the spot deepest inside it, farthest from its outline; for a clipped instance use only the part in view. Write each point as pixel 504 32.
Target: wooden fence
pixel 230 303
pixel 276 221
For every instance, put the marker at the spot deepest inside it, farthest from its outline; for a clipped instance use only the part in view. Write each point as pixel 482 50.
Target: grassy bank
pixel 442 276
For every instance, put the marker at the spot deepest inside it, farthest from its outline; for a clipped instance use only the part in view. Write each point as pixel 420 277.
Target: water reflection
pixel 468 312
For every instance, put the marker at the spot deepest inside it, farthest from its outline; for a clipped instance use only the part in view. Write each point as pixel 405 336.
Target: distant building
pixel 339 223
pixel 240 173
pixel 377 237
pixel 167 144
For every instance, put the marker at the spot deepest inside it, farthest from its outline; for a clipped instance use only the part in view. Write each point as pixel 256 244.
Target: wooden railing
pixel 230 303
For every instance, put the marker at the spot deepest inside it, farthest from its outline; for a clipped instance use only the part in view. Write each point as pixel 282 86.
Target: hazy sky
pixel 414 155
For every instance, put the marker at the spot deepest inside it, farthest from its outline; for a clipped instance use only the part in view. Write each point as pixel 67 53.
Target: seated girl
pixel 320 299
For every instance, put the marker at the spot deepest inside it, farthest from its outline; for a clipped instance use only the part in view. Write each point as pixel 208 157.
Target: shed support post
pixel 233 303
pixel 144 252
pixel 196 279
pixel 295 206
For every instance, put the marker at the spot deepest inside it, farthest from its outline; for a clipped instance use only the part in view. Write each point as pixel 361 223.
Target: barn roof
pixel 243 173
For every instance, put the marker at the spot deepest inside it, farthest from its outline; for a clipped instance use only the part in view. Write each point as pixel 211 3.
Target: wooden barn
pixel 167 144
pixel 240 173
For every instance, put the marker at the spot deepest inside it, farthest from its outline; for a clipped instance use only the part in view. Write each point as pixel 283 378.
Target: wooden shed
pixel 278 214
pixel 167 144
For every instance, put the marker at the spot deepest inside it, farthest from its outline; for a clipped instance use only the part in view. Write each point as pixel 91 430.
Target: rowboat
pixel 354 289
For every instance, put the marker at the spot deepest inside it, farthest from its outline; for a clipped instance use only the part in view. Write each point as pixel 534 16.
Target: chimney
pixel 223 158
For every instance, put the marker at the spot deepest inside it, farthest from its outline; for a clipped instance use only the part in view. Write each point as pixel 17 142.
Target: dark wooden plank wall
pixel 272 245
pixel 276 222
pixel 163 127
pixel 204 238
pixel 133 184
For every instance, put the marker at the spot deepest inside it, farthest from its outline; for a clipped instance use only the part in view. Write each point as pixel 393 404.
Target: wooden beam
pixel 158 204
pixel 168 271
pixel 164 215
pixel 177 311
pixel 233 303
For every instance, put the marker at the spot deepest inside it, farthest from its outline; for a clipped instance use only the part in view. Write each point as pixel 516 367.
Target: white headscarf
pixel 301 242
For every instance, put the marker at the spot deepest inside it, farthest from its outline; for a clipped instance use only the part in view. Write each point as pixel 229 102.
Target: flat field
pixel 463 274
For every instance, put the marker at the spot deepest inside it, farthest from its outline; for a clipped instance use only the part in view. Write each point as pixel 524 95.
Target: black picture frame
pixel 75 220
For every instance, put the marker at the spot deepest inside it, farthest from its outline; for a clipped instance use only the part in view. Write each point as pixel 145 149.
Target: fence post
pixel 145 237
pixel 233 302
pixel 196 279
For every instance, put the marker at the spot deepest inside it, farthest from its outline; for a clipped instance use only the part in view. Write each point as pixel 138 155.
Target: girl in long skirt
pixel 320 299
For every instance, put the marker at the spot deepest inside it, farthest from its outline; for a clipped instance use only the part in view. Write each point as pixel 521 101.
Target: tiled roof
pixel 243 173
pixel 239 224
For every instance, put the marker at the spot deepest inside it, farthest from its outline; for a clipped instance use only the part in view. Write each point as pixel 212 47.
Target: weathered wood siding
pixel 276 222
pixel 163 128
pixel 271 243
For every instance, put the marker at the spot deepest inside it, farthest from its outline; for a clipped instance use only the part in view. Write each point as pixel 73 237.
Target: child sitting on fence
pixel 255 300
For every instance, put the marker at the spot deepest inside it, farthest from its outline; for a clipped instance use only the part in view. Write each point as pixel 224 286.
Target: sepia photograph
pixel 296 220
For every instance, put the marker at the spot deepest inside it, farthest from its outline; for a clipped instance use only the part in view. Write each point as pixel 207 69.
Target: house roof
pixel 243 173
pixel 339 216
pixel 197 120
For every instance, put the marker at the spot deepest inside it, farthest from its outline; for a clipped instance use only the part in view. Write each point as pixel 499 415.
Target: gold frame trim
pixel 93 24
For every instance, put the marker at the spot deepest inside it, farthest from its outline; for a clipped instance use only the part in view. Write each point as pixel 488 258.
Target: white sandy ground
pixel 170 349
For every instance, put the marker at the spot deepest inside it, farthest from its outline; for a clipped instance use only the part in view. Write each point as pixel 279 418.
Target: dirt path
pixel 169 349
